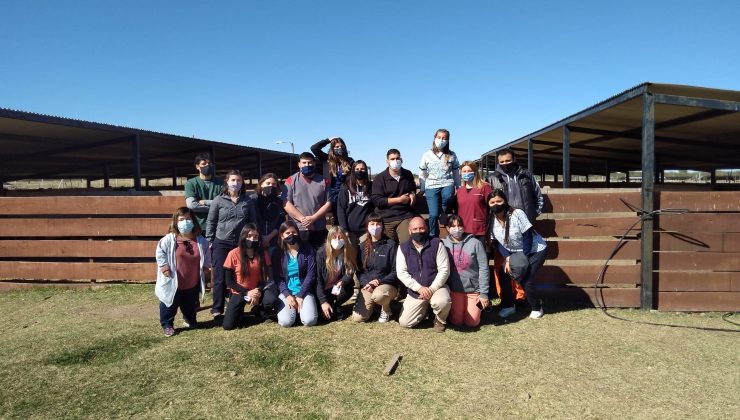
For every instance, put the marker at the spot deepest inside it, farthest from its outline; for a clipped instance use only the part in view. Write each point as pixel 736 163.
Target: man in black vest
pixel 518 183
pixel 422 265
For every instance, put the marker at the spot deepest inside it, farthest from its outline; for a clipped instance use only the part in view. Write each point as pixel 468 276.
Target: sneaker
pixel 216 314
pixel 384 316
pixel 507 312
pixel 188 324
pixel 338 314
pixel 537 314
pixel 439 326
pixel 169 331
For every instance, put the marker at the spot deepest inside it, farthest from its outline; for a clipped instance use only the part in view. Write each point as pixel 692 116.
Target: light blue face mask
pixel 440 143
pixel 185 226
pixel 468 176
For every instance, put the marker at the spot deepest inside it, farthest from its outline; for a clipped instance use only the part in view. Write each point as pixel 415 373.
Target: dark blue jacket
pixel 306 271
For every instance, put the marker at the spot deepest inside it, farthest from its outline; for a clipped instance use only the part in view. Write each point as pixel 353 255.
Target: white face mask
pixel 374 230
pixel 395 164
pixel 337 243
pixel 456 232
pixel 440 143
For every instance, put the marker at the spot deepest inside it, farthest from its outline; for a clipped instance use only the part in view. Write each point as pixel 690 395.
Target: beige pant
pixel 397 230
pixel 415 310
pixel 383 295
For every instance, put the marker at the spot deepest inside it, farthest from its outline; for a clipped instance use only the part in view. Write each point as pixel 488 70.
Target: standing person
pixel 469 276
pixel 270 212
pixel 229 213
pixel 472 200
pixel 337 166
pixel 336 265
pixel 353 203
pixel 377 273
pixel 201 190
pixel 423 266
pixel 394 195
pixel 296 278
pixel 518 183
pixel 523 250
pixel 183 263
pixel 306 200
pixel 440 173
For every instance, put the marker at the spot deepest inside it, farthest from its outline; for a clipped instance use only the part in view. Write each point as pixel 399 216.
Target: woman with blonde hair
pixel 336 266
pixel 472 200
pixel 183 263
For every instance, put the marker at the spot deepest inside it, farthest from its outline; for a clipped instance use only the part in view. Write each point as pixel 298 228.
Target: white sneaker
pixel 507 312
pixel 384 316
pixel 537 314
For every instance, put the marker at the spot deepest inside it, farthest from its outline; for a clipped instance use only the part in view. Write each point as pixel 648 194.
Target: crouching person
pixel 296 278
pixel 423 266
pixel 246 273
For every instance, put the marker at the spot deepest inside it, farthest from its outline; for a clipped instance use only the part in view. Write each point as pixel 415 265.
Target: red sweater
pixel 472 206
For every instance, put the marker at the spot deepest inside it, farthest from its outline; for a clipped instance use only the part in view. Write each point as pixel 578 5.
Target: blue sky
pixel 378 73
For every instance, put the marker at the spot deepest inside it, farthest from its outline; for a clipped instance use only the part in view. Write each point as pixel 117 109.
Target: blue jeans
pixel 438 201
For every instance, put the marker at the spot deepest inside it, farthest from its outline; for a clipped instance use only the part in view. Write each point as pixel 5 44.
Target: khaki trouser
pixel 415 310
pixel 398 230
pixel 383 295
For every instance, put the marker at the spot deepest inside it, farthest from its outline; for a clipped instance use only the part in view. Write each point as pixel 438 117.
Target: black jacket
pixel 381 263
pixel 270 213
pixel 323 275
pixel 352 214
pixel 531 199
pixel 384 187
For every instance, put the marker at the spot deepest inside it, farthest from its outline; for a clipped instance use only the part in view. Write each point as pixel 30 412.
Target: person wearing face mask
pixel 201 190
pixel 336 265
pixel 247 274
pixel 469 276
pixel 270 212
pixel 440 172
pixel 306 200
pixel 229 213
pixel 518 183
pixel 423 266
pixel 377 273
pixel 183 264
pixel 523 251
pixel 337 166
pixel 296 278
pixel 353 203
pixel 472 196
pixel 394 196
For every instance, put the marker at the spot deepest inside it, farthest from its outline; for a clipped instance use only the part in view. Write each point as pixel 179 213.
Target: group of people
pixel 272 253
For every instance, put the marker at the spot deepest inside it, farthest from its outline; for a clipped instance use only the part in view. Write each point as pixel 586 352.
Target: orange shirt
pixel 254 270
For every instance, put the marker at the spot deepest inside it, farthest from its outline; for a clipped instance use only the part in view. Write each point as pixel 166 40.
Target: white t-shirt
pixel 519 224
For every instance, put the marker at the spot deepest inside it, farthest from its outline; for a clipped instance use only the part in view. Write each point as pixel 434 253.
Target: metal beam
pixel 566 157
pixel 530 155
pixel 635 134
pixel 719 104
pixel 70 149
pixel 136 161
pixel 647 298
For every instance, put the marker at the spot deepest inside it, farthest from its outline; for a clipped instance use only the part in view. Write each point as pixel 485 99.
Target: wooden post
pixel 647 298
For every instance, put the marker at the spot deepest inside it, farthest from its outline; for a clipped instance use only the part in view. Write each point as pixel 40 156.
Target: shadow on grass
pixel 102 352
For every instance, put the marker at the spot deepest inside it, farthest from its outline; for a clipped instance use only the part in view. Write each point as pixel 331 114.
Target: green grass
pixel 100 353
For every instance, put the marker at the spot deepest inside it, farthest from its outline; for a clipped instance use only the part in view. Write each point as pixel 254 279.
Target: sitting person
pixel 296 278
pixel 336 265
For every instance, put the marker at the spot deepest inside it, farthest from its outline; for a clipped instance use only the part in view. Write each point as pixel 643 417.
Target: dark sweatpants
pixel 507 294
pixel 187 301
pixel 236 305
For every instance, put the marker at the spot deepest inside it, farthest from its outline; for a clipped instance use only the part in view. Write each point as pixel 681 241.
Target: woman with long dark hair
pixel 377 273
pixel 247 275
pixel 183 263
pixel 523 251
pixel 337 166
pixel 296 278
pixel 269 206
pixel 227 216
pixel 353 203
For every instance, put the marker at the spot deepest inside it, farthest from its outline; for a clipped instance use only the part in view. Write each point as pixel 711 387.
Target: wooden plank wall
pixel 83 238
pixel 113 238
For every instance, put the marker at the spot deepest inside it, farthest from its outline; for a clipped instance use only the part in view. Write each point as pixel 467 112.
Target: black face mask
pixel 361 175
pixel 420 237
pixel 249 244
pixel 291 240
pixel 269 191
pixel 498 208
pixel 206 170
pixel 507 167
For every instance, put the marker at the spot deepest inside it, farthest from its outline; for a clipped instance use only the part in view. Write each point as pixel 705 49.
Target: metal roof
pixel 695 128
pixel 44 146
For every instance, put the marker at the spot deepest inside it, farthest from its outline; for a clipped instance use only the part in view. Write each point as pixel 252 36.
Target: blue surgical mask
pixel 185 226
pixel 440 143
pixel 307 170
pixel 395 164
pixel 468 176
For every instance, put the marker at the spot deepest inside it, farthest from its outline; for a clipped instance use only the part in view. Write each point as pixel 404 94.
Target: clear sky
pixel 378 73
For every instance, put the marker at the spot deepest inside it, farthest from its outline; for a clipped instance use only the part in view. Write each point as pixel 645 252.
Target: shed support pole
pixel 259 164
pixel 174 176
pixel 530 155
pixel 566 156
pixel 647 296
pixel 713 177
pixel 608 171
pixel 136 161
pixel 106 177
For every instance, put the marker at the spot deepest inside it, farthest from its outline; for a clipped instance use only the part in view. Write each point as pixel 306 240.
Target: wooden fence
pixel 697 255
